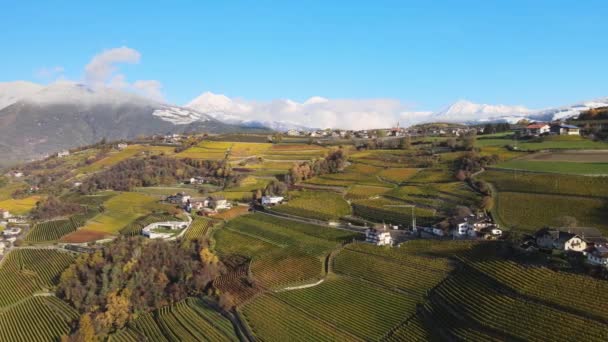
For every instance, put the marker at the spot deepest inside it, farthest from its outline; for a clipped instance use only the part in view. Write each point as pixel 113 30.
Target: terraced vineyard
pixel 528 212
pixel 384 210
pixel 320 205
pixel 472 298
pixel 271 319
pixel 27 271
pixel 56 229
pixel 283 252
pixel 372 311
pixel 188 320
pixel 36 319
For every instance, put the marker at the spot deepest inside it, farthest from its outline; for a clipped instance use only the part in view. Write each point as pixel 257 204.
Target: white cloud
pixel 315 112
pixel 104 65
pixel 149 88
pixel 103 71
pixel 48 73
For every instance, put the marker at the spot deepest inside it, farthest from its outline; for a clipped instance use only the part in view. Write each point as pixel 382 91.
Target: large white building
pixel 154 230
pixel 272 200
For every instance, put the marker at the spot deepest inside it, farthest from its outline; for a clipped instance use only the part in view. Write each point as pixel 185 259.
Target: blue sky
pixel 426 54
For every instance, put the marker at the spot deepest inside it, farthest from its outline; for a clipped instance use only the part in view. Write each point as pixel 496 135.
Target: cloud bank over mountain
pixel 317 112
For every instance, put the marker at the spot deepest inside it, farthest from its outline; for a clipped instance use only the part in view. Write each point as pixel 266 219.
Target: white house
pixel 4 214
pixel 293 133
pixel 219 203
pixel 272 200
pixel 121 146
pixel 598 256
pixel 537 128
pixel 11 232
pixel 560 239
pixel 63 153
pixel 378 236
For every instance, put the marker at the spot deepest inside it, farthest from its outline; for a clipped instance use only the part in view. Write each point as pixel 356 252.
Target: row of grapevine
pixel 576 292
pixel 404 276
pixel 271 320
pixel 355 306
pixel 188 320
pixel 198 229
pixel 405 254
pixel 471 296
pixel 237 283
pixel 374 210
pixel 36 319
pixel 56 229
pixel 286 267
pixel 26 271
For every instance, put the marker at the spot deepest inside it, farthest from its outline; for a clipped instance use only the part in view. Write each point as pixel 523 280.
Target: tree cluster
pixel 600 113
pixel 156 170
pixel 133 276
pixel 496 128
pixel 335 162
pixel 471 162
pixel 53 207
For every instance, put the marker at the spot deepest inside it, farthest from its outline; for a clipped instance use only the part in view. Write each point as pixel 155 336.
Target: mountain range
pixel 37 120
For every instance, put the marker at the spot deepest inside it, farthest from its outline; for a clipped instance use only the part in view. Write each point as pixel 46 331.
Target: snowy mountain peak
pixel 464 110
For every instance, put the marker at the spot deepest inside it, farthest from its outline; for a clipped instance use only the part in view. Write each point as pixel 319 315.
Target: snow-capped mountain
pixel 466 111
pixel 236 111
pixel 66 114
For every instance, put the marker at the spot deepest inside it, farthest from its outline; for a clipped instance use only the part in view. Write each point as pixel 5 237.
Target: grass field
pixel 20 206
pixel 365 191
pixel 319 205
pixel 116 157
pixel 397 175
pixel 562 142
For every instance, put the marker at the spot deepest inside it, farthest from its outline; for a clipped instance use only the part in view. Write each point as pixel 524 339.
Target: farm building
pixel 196 180
pixel 272 200
pixel 122 146
pixel 474 226
pixel 562 129
pixel 16 174
pixel 179 198
pixel 379 236
pixel 219 203
pixel 598 256
pixel 63 153
pixel 163 230
pixel 563 240
pixel 536 129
